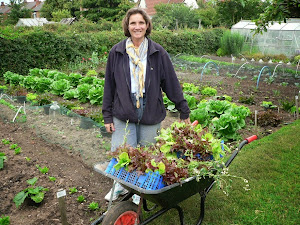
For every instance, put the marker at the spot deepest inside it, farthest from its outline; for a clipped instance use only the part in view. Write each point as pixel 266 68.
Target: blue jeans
pixel 135 134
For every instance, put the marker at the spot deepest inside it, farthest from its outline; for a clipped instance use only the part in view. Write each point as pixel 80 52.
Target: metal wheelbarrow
pixel 127 213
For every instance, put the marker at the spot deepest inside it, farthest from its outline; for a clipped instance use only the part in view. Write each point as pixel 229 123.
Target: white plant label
pixel 61 193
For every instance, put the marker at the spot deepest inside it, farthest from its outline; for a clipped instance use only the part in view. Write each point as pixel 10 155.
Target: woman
pixel 137 71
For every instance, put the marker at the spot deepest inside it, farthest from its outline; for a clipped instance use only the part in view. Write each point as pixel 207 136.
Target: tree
pixel 232 11
pixel 51 6
pixel 278 10
pixel 111 10
pixel 60 14
pixel 17 11
pixel 167 15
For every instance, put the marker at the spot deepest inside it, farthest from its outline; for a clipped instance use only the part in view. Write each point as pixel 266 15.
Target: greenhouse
pixel 280 38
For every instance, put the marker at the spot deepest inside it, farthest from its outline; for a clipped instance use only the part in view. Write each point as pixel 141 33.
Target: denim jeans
pixel 134 134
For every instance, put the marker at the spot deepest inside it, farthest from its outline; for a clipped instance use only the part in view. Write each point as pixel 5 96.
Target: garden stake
pixel 62 206
pixel 255 118
pixel 297 107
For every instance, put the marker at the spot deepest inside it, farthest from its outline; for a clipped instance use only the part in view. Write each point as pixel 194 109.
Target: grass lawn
pixel 271 165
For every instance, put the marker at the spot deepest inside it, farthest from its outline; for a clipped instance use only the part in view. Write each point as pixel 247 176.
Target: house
pixel 4 9
pixel 35 6
pixel 148 5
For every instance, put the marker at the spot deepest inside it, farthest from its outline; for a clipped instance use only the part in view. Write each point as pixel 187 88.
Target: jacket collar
pixel 122 47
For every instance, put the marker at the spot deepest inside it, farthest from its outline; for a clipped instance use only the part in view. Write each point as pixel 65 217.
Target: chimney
pixel 37 2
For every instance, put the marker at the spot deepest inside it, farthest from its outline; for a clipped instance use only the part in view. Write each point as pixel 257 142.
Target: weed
pixel 284 84
pixel 27 159
pixel 93 206
pixel 73 190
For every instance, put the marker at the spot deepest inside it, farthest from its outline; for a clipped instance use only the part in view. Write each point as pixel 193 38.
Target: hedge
pixel 45 49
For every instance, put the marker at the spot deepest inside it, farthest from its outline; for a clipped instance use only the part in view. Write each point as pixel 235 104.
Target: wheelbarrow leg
pixel 180 213
pixel 203 196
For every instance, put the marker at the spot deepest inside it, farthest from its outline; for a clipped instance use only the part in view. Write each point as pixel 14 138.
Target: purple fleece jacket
pixel 160 76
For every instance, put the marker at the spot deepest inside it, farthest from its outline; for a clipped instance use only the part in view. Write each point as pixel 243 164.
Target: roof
pixel 29 22
pixel 67 21
pixel 291 25
pixel 35 6
pixel 5 9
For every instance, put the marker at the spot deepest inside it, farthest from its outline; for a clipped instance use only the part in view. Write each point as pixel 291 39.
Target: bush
pixel 38 48
pixel 232 43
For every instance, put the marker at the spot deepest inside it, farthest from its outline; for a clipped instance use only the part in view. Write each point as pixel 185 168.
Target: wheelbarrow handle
pixel 242 144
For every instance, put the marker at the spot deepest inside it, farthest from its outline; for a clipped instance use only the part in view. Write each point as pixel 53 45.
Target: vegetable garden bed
pixel 41 141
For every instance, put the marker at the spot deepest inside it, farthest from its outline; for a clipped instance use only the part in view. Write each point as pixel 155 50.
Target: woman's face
pixel 137 27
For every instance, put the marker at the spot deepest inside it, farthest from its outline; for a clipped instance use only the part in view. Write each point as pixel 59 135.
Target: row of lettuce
pixel 69 86
pixel 221 116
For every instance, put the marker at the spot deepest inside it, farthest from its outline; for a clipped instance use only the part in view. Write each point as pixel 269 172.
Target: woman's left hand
pixel 187 121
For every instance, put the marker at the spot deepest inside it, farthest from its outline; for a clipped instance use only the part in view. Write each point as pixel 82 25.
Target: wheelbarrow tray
pixel 167 196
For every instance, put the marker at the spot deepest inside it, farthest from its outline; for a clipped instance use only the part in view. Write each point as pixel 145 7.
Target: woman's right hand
pixel 109 127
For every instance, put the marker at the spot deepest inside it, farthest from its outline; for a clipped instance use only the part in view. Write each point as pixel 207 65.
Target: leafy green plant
pixel 73 190
pixel 52 178
pixel 276 92
pixel 190 88
pixel 2 159
pixel 93 206
pixel 3 87
pixel 27 158
pixel 169 104
pixel 70 94
pixel 58 87
pixel 268 105
pixel 269 80
pixel 4 220
pixel 80 198
pixel 284 84
pixel 13 146
pixel 96 95
pixel 43 170
pixel 247 100
pixel 287 105
pixel 209 91
pixel 35 193
pixel 18 150
pixel 44 99
pixel 5 141
pixel 43 85
pixel 83 92
pixel 191 100
pixel 123 161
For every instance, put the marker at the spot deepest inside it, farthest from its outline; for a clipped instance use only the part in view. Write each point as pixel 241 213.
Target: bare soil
pixel 70 152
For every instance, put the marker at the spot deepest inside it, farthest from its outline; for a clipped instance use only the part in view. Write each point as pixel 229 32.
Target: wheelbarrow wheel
pixel 124 213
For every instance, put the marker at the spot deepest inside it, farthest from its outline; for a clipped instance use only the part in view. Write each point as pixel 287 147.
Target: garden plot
pixel 41 139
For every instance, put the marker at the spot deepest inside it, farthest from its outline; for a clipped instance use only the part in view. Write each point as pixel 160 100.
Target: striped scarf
pixel 136 55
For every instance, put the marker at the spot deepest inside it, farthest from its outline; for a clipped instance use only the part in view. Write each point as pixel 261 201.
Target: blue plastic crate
pixel 148 181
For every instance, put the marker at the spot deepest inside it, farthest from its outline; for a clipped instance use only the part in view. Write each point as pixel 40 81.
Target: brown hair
pixel 134 11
